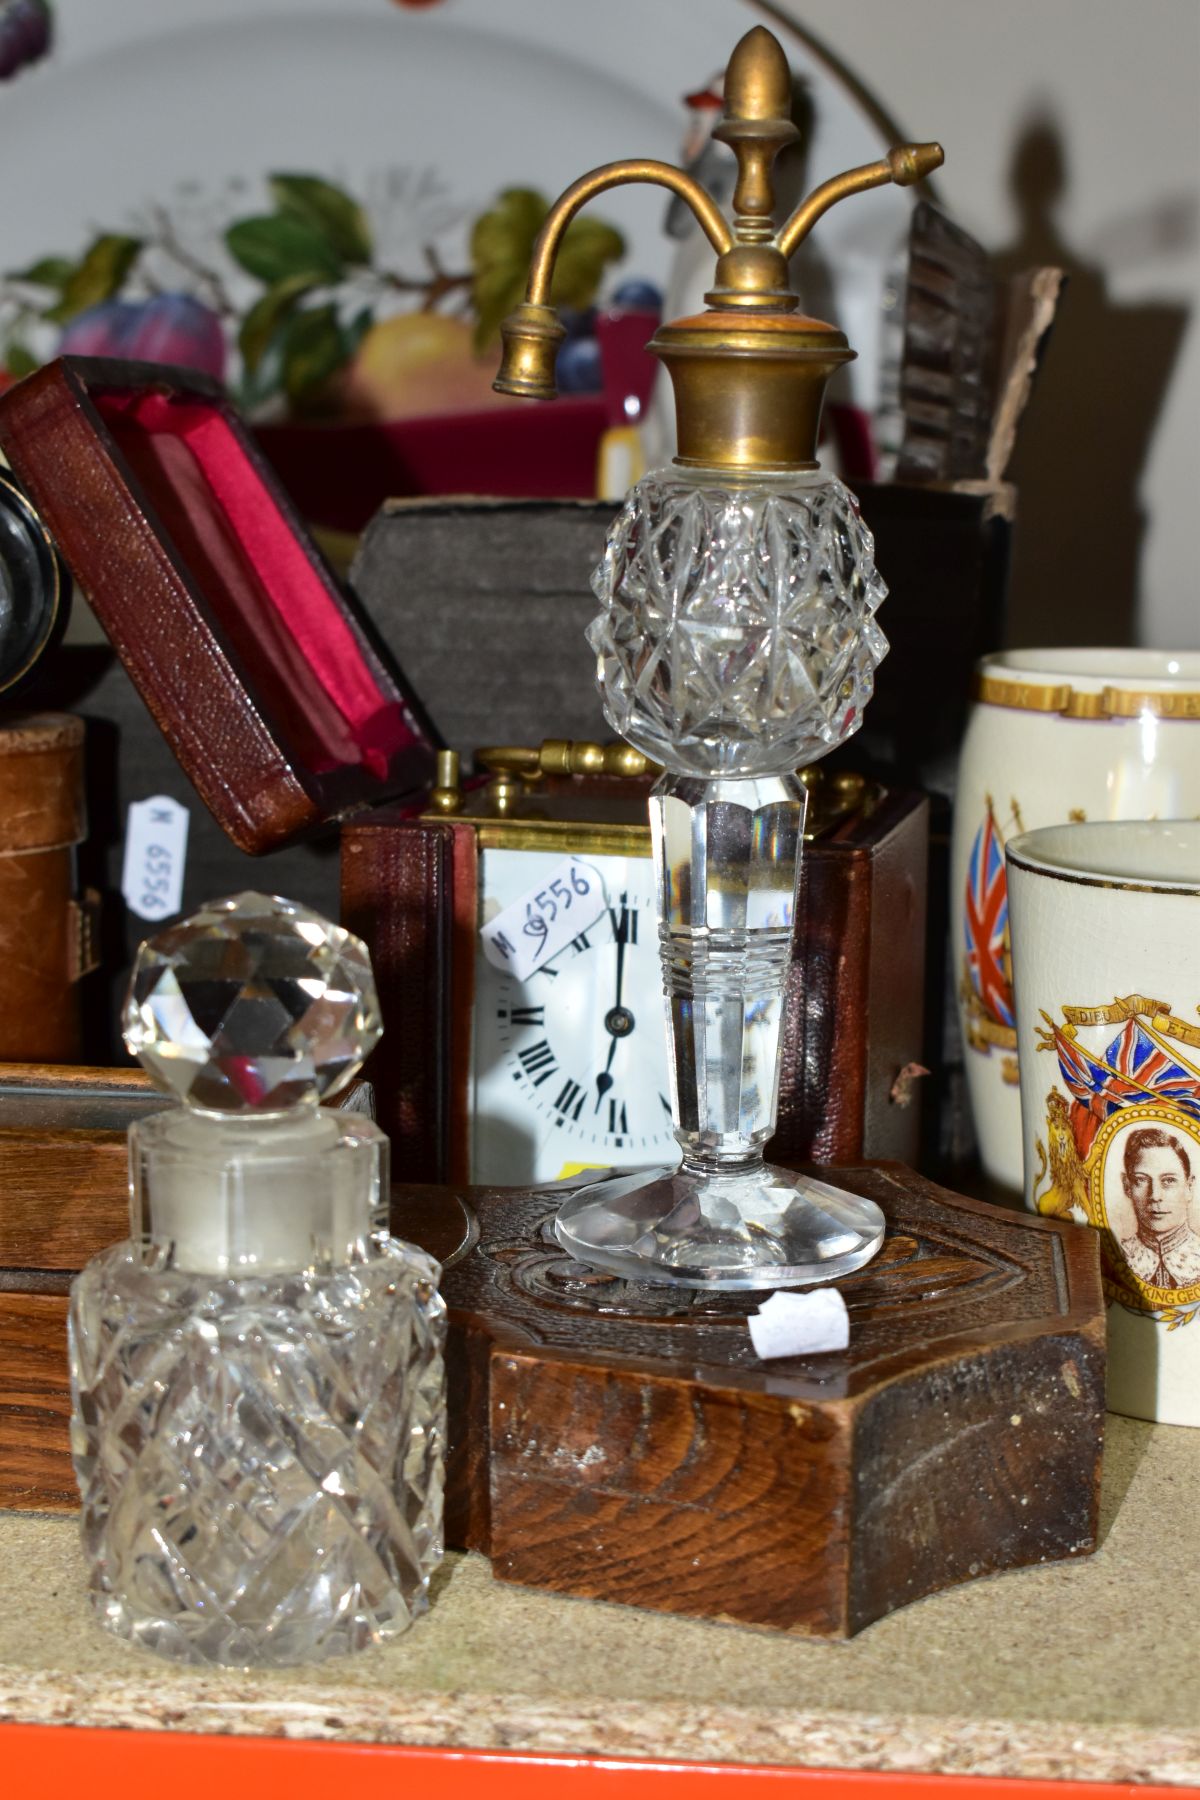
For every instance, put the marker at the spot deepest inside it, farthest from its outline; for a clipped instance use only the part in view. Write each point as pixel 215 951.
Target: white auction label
pixel 155 851
pixel 530 932
pixel 800 1324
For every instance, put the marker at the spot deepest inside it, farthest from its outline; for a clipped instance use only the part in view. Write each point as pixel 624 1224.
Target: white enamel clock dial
pixel 569 1067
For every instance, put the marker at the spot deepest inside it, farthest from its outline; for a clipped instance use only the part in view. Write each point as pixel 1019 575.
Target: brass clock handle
pixel 562 756
pixel 446 795
pixel 833 795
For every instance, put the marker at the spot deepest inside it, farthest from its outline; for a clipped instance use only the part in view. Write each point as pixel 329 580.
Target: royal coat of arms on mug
pixel 1106 959
pixel 1122 1147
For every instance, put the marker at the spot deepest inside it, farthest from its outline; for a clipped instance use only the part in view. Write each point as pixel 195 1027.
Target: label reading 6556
pixel 155 851
pixel 531 930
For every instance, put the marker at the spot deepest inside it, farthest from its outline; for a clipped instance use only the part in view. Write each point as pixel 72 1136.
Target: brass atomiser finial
pixel 749 373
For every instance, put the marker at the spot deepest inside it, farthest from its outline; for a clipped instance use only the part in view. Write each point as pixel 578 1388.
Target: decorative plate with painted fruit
pixel 306 304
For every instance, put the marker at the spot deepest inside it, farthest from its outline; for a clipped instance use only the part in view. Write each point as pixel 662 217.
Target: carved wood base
pixel 622 1441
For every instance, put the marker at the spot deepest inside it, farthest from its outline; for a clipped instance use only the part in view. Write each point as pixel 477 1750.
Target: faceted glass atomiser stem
pixel 728 861
pixel 727 856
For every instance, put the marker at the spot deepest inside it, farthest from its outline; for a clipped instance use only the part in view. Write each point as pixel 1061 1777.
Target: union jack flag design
pixel 985 921
pixel 1137 1065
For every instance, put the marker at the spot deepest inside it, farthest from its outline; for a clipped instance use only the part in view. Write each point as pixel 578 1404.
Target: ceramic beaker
pixel 1106 960
pixel 1054 736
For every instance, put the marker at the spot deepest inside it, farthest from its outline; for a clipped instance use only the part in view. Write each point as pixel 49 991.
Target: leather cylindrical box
pixel 42 818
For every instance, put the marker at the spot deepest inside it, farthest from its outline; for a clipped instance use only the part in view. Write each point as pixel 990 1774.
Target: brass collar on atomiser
pixel 749 387
pixel 749 374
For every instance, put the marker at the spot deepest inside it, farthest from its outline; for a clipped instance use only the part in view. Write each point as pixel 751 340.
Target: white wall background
pixel 1072 131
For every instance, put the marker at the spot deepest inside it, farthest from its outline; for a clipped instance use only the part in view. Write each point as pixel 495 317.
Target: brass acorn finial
pixel 757 124
pixel 758 81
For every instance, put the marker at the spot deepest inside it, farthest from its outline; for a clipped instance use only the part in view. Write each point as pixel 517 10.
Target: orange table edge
pixel 55 1760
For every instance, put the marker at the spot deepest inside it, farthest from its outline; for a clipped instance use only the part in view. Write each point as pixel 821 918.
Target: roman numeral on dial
pixel 570 1101
pixel 624 923
pixel 618 1121
pixel 528 1015
pixel 538 1062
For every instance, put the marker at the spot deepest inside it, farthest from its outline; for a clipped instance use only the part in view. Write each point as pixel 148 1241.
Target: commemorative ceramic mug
pixel 1055 735
pixel 1106 958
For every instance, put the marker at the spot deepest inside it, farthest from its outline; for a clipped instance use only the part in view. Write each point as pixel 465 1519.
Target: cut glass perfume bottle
pixel 736 641
pixel 257 1378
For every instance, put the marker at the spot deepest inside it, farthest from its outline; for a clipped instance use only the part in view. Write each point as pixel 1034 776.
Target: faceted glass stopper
pixel 252 1005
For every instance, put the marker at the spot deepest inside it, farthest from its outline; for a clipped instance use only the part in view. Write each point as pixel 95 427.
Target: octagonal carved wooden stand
pixel 623 1441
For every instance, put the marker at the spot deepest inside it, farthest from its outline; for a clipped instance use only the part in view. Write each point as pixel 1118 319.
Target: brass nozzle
pixel 913 162
pixel 531 336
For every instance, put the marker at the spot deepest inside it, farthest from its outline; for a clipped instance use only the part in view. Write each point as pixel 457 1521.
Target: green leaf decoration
pixel 98 277
pixel 252 388
pixel 277 247
pixel 49 272
pixel 267 315
pixel 494 293
pixel 19 361
pixel 506 232
pixel 313 350
pixel 329 210
pixel 502 241
pixel 587 245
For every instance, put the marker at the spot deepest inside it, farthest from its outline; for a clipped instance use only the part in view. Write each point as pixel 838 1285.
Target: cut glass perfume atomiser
pixel 736 641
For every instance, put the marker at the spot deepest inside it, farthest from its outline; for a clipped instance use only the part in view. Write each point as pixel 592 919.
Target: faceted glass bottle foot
pixel 723 1229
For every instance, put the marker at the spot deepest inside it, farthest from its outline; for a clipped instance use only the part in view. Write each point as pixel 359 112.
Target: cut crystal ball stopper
pixel 252 1005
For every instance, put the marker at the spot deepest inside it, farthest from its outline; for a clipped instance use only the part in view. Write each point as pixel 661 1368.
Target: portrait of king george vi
pixel 1157 1172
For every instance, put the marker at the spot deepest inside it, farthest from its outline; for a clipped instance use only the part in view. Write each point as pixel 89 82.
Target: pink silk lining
pixel 273 605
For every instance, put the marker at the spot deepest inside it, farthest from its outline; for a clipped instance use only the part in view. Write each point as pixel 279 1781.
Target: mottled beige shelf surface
pixel 1088 1669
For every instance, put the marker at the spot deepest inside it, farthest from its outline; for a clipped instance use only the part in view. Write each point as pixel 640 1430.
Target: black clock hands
pixel 618 1020
pixel 621 937
pixel 604 1079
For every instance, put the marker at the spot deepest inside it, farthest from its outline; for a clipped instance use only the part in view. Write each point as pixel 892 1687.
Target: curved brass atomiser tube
pixel 619 174
pixel 903 165
pixel 533 332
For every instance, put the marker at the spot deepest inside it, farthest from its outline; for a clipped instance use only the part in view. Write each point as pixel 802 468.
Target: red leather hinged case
pixel 265 686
